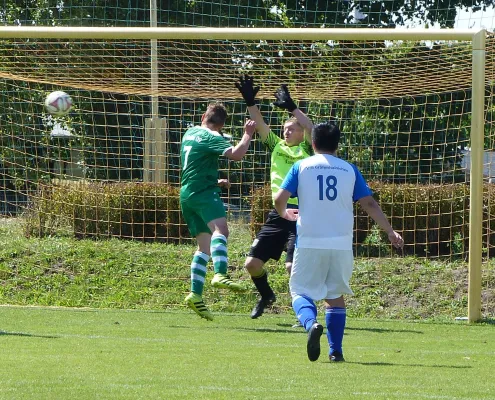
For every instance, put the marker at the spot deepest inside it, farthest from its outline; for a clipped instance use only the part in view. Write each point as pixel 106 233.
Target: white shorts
pixel 321 273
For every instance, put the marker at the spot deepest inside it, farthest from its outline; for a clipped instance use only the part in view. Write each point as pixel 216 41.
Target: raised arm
pixel 369 204
pixel 246 87
pixel 305 122
pixel 237 152
pixel 284 100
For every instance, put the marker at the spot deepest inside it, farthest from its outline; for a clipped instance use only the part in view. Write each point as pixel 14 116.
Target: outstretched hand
pixel 283 99
pixel 396 240
pixel 245 85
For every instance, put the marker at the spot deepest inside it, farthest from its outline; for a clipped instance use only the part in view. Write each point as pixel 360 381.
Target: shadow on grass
pixel 288 325
pixel 385 364
pixel 235 328
pixel 488 321
pixel 376 330
pixel 273 330
pixel 383 330
pixel 4 333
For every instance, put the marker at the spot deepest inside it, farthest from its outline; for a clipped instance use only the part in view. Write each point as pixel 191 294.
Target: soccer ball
pixel 58 103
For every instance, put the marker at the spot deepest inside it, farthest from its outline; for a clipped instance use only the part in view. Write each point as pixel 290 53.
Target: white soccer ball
pixel 58 103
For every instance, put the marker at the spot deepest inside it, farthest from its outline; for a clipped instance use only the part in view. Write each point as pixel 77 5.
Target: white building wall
pixel 488 164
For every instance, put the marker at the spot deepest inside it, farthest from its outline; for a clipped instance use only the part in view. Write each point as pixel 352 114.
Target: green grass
pixel 61 353
pixel 134 339
pixel 62 271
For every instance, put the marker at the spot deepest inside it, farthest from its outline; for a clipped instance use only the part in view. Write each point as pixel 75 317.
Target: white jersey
pixel 326 187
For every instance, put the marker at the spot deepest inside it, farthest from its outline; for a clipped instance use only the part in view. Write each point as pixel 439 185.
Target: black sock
pixel 261 283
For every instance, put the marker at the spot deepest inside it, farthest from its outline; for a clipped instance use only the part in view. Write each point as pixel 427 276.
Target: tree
pixel 113 111
pixel 238 13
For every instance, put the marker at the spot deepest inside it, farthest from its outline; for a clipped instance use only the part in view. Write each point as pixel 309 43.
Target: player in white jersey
pixel 326 187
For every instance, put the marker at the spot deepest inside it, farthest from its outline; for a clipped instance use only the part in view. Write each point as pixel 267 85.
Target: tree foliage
pixel 378 142
pixel 237 13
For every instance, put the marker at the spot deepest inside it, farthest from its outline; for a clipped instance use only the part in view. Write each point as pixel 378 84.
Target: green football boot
pixel 222 281
pixel 195 302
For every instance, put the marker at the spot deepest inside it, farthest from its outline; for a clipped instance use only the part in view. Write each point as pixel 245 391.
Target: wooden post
pixel 154 168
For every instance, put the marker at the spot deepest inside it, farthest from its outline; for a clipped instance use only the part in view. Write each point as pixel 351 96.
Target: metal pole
pixel 57 32
pixel 154 62
pixel 476 178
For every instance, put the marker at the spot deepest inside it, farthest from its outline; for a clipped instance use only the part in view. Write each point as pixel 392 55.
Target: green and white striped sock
pixel 198 272
pixel 218 249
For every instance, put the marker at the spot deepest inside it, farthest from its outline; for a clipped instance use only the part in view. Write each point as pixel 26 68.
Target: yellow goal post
pixel 145 83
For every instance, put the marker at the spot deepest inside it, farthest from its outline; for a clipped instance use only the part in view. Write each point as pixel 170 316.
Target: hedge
pixel 433 219
pixel 126 210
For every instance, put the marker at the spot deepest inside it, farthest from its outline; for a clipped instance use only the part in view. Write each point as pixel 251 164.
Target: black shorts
pixel 276 235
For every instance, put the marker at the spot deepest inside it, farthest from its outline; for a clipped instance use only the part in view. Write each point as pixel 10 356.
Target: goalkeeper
pixel 277 233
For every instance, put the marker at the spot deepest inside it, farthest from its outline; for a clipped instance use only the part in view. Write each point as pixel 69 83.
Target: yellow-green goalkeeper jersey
pixel 199 153
pixel 283 158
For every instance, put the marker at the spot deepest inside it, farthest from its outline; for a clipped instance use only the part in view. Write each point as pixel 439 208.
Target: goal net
pixel 111 166
pixel 404 107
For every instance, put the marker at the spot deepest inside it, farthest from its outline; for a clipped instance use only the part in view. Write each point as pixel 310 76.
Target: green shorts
pixel 200 209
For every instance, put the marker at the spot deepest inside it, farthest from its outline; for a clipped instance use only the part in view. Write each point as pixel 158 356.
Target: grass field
pixel 63 271
pixel 63 353
pixel 105 319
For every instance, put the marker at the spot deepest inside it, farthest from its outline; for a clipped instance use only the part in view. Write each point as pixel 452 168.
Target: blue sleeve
pixel 291 180
pixel 361 188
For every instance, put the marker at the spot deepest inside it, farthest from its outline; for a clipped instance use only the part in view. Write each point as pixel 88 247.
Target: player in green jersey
pixel 277 233
pixel 200 202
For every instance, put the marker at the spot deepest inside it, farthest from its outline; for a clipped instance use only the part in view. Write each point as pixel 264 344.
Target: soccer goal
pixel 411 104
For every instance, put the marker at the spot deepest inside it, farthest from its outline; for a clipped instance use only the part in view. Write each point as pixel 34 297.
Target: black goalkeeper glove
pixel 283 99
pixel 246 86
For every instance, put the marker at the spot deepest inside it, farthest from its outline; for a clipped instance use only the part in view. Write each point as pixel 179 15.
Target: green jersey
pixel 199 154
pixel 283 158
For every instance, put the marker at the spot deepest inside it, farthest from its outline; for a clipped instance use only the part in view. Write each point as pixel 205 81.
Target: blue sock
pixel 305 310
pixel 335 319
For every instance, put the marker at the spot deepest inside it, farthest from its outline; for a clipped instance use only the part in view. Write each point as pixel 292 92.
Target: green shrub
pixel 429 217
pixel 433 219
pixel 128 210
pixel 261 204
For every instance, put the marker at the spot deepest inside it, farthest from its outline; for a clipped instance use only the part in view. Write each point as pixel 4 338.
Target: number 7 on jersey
pixel 187 150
